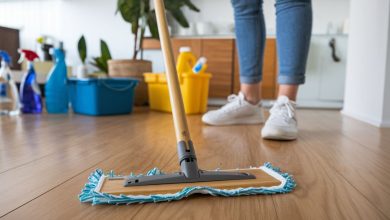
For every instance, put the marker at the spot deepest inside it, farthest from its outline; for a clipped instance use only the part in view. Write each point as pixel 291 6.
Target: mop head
pixel 92 190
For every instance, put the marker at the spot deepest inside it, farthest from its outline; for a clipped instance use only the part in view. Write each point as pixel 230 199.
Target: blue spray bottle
pixel 9 97
pixel 56 89
pixel 30 94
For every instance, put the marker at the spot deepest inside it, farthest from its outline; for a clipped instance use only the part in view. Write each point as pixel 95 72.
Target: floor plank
pixel 48 172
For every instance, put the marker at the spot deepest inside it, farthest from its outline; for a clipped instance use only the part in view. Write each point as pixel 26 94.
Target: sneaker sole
pixel 279 136
pixel 239 121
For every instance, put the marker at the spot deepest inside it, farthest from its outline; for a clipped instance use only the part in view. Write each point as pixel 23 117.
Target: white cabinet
pixel 325 78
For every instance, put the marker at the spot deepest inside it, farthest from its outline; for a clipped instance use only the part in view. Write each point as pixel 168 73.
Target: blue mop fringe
pixel 89 195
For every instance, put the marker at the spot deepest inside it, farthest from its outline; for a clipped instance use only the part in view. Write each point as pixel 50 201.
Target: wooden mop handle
pixel 179 117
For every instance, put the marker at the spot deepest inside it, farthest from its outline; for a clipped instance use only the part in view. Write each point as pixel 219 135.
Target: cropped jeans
pixel 293 32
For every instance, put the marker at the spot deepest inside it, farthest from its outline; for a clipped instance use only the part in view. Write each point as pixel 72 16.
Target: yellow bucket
pixel 194 89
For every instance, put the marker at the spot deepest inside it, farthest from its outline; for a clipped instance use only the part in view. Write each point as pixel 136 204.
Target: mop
pixel 157 186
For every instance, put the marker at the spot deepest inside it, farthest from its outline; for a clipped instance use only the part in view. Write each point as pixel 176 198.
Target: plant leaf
pixel 152 23
pixel 82 48
pixel 105 51
pixel 191 6
pixel 101 62
pixel 131 12
pixel 179 16
pixel 98 63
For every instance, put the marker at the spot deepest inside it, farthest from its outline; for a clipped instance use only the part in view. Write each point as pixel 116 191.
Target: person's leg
pixel 250 38
pixel 293 32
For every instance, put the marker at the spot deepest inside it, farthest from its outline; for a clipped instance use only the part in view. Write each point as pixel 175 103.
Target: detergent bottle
pixel 200 66
pixel 30 94
pixel 185 61
pixel 9 97
pixel 56 88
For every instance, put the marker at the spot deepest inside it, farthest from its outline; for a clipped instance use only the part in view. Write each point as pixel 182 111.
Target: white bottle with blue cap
pixel 199 65
pixel 9 96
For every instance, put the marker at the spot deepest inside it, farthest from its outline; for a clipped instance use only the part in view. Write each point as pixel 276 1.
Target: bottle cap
pixel 5 57
pixel 27 54
pixel 184 49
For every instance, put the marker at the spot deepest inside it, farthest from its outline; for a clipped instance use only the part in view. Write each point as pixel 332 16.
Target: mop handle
pixel 179 117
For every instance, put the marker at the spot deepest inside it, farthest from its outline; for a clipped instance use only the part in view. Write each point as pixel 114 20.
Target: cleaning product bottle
pixel 9 97
pixel 200 66
pixel 56 88
pixel 30 94
pixel 185 61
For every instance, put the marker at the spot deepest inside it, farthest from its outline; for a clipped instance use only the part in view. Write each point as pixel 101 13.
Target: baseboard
pixel 367 119
pixel 385 124
pixel 267 103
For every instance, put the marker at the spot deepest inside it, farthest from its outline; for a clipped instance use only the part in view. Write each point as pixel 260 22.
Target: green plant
pixel 82 48
pixel 105 55
pixel 140 15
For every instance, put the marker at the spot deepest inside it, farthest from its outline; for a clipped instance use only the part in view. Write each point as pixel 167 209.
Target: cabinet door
pixel 219 54
pixel 333 73
pixel 269 86
pixel 325 78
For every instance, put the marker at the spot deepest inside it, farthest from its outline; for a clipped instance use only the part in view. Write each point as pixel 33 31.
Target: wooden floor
pixel 341 166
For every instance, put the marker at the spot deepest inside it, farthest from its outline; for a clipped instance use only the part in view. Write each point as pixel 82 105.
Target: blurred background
pixel 334 78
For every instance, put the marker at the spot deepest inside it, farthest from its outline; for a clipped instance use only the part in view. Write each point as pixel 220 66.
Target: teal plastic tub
pixel 108 96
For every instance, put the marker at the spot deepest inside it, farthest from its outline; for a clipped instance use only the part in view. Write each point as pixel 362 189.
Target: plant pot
pixel 82 71
pixel 134 69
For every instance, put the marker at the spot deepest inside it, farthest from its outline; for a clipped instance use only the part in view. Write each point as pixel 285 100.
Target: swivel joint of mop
pixel 187 159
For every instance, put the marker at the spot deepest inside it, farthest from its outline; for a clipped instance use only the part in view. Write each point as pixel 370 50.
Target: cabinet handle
pixel 332 45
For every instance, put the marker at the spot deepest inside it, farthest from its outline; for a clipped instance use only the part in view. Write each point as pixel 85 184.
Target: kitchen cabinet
pixel 325 78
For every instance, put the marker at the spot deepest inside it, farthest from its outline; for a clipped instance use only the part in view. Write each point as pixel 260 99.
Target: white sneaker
pixel 236 111
pixel 282 123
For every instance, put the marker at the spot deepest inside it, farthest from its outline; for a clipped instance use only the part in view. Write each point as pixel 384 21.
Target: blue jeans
pixel 293 32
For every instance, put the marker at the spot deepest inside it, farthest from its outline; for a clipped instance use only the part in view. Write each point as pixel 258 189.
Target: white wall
pixel 68 19
pixel 367 93
pixel 33 18
pixel 386 99
pixel 325 12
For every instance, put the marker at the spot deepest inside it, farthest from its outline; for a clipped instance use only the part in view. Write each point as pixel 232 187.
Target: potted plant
pixel 140 15
pixel 101 63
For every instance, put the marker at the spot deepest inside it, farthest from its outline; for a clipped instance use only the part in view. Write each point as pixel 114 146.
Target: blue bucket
pixel 109 96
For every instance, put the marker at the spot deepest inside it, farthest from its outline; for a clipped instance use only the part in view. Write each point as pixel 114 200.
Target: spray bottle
pixel 30 94
pixel 56 88
pixel 9 97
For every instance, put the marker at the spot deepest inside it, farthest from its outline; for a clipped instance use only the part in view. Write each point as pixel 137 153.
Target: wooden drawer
pixel 219 53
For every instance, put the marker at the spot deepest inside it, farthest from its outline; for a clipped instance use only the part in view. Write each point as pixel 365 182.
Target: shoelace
pixel 231 99
pixel 277 109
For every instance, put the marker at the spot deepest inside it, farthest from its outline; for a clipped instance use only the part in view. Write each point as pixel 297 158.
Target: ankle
pixel 251 93
pixel 254 100
pixel 290 91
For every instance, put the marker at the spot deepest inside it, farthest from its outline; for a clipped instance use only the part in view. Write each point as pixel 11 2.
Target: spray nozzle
pixel 5 57
pixel 27 54
pixel 58 53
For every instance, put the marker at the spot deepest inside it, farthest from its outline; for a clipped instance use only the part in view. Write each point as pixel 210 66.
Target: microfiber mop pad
pixel 92 190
